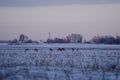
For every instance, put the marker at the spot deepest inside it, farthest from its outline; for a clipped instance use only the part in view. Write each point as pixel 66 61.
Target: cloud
pixel 29 3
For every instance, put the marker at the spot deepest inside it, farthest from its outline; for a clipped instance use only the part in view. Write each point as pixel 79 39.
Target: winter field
pixel 60 62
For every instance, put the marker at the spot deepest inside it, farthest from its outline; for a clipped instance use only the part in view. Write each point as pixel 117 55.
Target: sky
pixel 36 18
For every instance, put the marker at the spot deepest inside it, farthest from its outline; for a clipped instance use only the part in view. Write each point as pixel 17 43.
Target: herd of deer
pixel 50 49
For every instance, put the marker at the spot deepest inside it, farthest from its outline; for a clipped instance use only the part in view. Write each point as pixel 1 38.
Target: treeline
pixel 72 38
pixel 105 40
pixel 57 40
pixel 22 40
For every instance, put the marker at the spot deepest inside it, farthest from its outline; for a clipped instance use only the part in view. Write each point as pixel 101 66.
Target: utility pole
pixel 49 35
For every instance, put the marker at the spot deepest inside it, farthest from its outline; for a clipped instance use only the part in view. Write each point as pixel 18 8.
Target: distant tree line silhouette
pixel 105 40
pixel 22 39
pixel 57 40
pixel 95 40
pixel 72 38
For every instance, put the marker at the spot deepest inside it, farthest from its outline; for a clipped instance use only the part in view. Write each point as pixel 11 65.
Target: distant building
pixel 74 38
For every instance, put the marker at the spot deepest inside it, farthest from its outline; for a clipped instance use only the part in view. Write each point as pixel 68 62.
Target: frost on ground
pixel 61 62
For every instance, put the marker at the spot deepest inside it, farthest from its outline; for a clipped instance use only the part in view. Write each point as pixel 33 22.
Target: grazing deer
pixel 36 49
pixel 73 49
pixel 61 49
pixel 51 49
pixel 26 49
pixel 77 49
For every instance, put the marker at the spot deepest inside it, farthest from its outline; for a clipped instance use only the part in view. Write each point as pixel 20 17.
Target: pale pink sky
pixel 60 20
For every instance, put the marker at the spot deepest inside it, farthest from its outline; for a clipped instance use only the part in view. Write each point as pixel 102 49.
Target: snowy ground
pixel 60 62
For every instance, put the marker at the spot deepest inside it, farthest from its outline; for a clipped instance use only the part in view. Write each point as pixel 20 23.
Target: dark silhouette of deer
pixel 61 49
pixel 73 49
pixel 26 50
pixel 51 49
pixel 36 49
pixel 77 49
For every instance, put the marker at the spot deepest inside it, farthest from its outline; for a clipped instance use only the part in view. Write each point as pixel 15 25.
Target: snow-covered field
pixel 60 62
